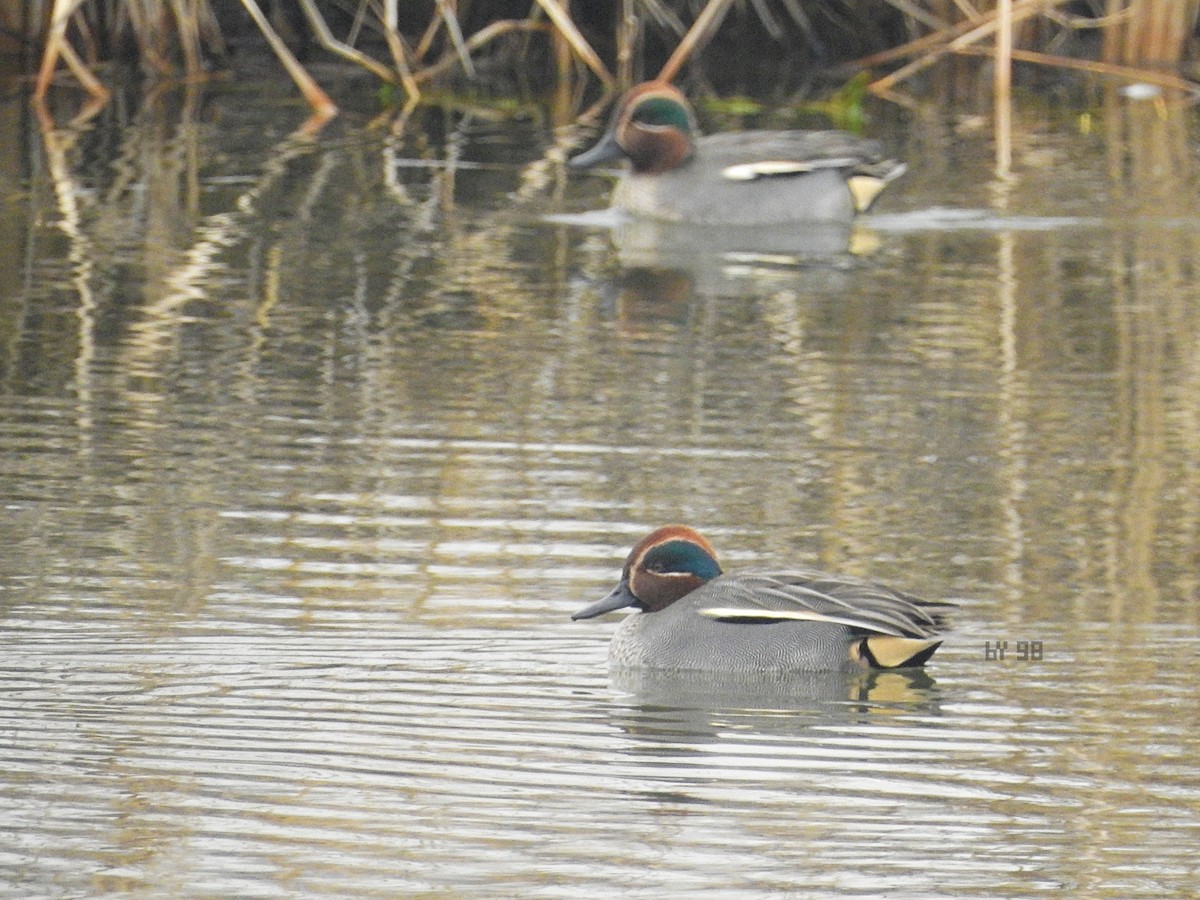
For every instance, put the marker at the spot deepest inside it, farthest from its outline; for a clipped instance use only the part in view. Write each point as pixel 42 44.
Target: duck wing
pixel 762 595
pixel 754 155
pixel 821 149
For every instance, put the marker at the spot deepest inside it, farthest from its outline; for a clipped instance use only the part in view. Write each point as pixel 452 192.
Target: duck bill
pixel 605 151
pixel 619 598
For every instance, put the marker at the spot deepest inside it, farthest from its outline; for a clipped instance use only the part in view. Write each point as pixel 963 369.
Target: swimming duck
pixel 738 178
pixel 693 616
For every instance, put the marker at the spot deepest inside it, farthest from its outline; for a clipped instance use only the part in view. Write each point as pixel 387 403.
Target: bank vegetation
pixel 409 46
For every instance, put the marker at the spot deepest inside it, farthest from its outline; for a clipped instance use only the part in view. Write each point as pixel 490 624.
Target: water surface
pixel 310 445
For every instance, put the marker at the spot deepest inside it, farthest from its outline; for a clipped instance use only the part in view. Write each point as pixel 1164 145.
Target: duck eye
pixel 660 112
pixel 680 558
pixel 643 114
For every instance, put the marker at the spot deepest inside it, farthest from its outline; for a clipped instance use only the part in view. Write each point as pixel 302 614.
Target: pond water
pixel 310 444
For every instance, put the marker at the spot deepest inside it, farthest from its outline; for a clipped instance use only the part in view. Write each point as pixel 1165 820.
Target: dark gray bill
pixel 619 598
pixel 605 151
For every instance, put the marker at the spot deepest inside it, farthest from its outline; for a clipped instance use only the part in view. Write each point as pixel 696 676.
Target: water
pixel 310 445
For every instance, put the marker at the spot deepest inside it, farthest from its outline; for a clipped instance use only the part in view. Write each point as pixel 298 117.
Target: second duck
pixel 739 178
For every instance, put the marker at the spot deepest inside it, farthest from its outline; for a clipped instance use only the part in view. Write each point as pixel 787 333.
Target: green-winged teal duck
pixel 694 616
pixel 739 178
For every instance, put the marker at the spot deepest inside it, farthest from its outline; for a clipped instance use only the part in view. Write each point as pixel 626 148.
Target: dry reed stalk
pixel 1024 9
pixel 323 107
pixel 1115 70
pixel 188 25
pixel 80 70
pixel 57 47
pixel 327 40
pixel 628 33
pixel 922 15
pixel 1149 32
pixel 1157 31
pixel 560 51
pixel 1164 33
pixel 447 15
pixel 1136 32
pixel 400 56
pixel 146 36
pixel 446 12
pixel 90 51
pixel 1003 87
pixel 210 31
pixel 483 36
pixel 562 21
pixel 421 50
pixel 915 46
pixel 707 22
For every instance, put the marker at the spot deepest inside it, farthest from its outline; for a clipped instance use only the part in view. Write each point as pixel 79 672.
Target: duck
pixel 737 178
pixel 693 616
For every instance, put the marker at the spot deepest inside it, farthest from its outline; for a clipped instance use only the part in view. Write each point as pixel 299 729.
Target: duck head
pixel 665 565
pixel 653 127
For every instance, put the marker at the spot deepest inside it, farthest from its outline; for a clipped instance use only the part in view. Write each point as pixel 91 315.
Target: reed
pixel 1154 33
pixel 409 45
pixel 1142 40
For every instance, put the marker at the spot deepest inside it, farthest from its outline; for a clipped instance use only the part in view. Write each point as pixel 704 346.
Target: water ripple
pixel 415 757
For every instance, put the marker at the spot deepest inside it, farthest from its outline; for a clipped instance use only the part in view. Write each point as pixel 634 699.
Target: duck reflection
pixel 677 261
pixel 704 707
pixel 650 242
pixel 649 299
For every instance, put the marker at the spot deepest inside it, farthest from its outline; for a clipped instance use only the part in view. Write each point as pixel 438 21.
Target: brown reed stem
pixel 477 40
pixel 1003 87
pixel 566 27
pixel 1115 70
pixel 57 46
pixel 708 21
pixel 628 31
pixel 327 40
pixel 447 14
pixel 913 47
pixel 1136 32
pixel 422 49
pixel 80 70
pixel 323 107
pixel 189 37
pixel 1023 10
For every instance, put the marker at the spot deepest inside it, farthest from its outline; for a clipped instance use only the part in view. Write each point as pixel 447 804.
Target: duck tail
pixel 885 651
pixel 869 181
